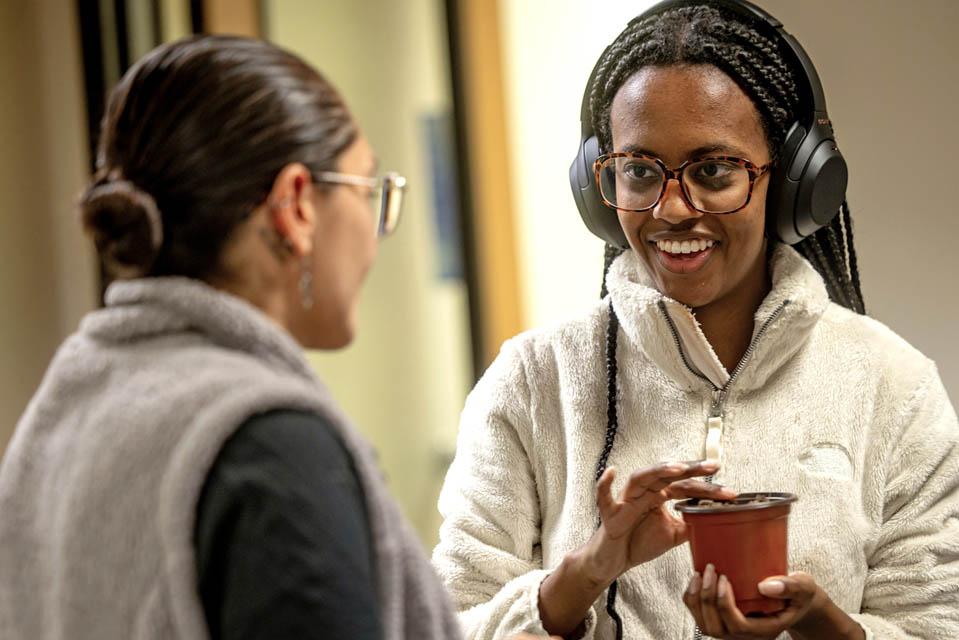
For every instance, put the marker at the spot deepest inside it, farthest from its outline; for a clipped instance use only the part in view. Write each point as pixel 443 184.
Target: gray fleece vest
pixel 99 486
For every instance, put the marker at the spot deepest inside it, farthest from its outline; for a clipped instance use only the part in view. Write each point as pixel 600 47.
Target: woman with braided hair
pixel 556 506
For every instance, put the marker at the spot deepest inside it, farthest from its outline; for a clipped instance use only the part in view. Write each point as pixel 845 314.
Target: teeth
pixel 686 246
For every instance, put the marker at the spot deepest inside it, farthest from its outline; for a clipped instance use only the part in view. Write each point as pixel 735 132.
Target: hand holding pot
pixel 809 614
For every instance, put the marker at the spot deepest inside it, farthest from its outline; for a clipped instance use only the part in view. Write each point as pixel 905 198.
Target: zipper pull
pixel 714 438
pixel 714 427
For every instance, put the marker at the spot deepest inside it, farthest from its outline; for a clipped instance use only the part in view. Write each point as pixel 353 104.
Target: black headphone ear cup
pixel 600 219
pixel 822 188
pixel 781 195
pixel 807 186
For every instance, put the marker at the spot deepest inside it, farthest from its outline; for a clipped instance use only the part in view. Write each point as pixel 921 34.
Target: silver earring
pixel 306 283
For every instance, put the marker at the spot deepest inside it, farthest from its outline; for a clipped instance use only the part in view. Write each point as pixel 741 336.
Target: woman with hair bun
pixel 181 472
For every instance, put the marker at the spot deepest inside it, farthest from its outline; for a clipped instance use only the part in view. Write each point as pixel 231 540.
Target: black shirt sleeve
pixel 282 537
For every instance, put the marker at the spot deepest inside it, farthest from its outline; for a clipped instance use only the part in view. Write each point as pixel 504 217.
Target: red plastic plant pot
pixel 745 539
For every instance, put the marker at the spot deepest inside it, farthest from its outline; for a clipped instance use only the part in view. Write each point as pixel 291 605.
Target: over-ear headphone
pixel 807 185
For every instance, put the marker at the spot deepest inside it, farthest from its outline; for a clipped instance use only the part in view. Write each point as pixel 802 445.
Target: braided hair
pixel 703 34
pixel 706 34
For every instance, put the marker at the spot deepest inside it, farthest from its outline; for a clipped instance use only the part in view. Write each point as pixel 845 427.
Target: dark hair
pixel 193 137
pixel 703 34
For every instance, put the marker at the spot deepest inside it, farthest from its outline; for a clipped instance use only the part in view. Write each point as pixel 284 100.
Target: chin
pixel 327 333
pixel 694 292
pixel 692 299
pixel 691 292
pixel 330 339
pixel 329 326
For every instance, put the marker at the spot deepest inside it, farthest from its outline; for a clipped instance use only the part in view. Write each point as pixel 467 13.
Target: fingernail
pixel 772 587
pixel 723 585
pixel 695 584
pixel 709 577
pixel 710 462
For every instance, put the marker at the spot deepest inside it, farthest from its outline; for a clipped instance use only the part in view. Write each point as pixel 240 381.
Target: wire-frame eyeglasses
pixel 386 194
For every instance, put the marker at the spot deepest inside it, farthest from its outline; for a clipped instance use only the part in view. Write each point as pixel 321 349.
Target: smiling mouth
pixel 683 247
pixel 684 256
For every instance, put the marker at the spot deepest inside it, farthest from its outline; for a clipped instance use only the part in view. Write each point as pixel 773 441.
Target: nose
pixel 672 207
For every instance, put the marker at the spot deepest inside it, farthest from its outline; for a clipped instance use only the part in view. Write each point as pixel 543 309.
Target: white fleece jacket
pixel 830 405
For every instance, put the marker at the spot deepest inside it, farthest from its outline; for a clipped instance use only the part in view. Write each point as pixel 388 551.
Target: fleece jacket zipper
pixel 717 411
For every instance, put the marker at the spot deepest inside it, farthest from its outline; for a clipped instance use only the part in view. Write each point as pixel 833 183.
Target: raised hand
pixel 638 527
pixel 635 528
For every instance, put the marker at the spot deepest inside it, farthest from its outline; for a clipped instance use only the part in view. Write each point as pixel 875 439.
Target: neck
pixel 248 270
pixel 271 303
pixel 728 322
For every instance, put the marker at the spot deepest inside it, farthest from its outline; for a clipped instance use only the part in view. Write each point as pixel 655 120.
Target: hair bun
pixel 126 226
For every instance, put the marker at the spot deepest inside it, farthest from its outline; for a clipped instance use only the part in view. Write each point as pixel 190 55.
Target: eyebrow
pixel 704 150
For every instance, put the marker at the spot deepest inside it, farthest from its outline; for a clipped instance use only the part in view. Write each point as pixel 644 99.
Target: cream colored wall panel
pixel 405 378
pixel 46 282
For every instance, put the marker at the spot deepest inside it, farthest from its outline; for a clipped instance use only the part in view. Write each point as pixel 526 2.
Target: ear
pixel 292 210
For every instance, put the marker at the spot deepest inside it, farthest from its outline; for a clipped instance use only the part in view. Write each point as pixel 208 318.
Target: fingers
pixel 652 486
pixel 733 621
pixel 721 617
pixel 698 489
pixel 691 599
pixel 604 492
pixel 712 621
pixel 658 477
pixel 797 586
pixel 700 599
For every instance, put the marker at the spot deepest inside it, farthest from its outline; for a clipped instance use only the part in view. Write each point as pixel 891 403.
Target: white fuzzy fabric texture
pixel 832 406
pixel 99 487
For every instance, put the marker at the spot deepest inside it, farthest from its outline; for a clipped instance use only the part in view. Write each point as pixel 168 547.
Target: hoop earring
pixel 306 282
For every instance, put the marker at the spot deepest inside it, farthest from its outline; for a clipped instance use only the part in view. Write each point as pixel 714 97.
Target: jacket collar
pixel 155 307
pixel 795 303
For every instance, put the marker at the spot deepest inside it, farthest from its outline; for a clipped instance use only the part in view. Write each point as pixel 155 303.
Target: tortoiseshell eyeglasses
pixel 714 184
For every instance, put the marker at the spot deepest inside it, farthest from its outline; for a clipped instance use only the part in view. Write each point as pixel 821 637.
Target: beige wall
pixel 46 282
pixel 550 47
pixel 405 378
pixel 889 69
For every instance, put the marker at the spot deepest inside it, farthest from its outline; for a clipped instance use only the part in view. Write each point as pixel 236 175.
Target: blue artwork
pixel 438 134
